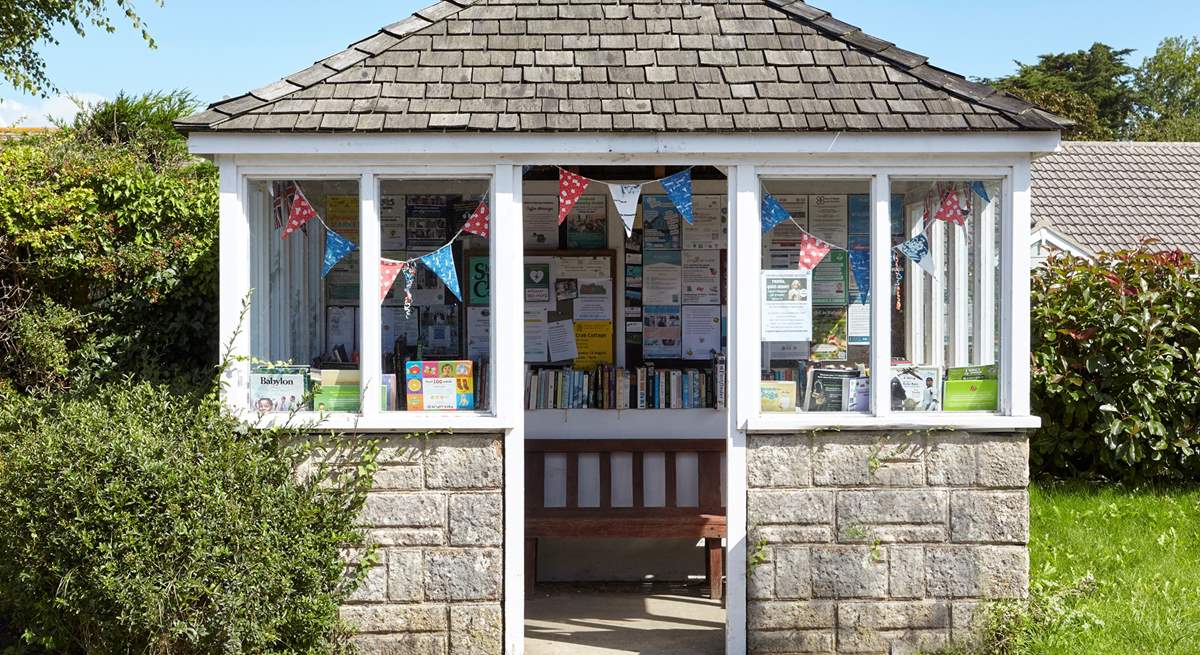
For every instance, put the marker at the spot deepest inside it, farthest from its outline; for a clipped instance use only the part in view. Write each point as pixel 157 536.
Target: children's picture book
pixel 971 388
pixel 439 385
pixel 778 395
pixel 279 389
pixel 916 388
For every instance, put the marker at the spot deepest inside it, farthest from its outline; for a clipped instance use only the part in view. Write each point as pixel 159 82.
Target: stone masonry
pixel 437 514
pixel 882 542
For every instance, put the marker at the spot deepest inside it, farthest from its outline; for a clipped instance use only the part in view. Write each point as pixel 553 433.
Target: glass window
pixel 945 335
pixel 304 315
pixel 436 319
pixel 815 295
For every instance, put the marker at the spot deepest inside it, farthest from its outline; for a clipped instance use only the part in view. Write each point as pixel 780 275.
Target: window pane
pixel 945 329
pixel 437 347
pixel 815 293
pixel 304 325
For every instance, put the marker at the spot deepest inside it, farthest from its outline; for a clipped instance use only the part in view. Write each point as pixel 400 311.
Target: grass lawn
pixel 1114 571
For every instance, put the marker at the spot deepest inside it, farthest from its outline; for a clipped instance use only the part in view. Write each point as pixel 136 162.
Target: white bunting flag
pixel 625 197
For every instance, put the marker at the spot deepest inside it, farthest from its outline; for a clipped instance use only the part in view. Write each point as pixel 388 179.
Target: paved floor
pixel 605 620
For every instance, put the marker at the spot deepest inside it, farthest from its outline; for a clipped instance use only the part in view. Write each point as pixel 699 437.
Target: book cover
pixel 971 388
pixel 444 385
pixel 778 395
pixel 916 388
pixel 279 389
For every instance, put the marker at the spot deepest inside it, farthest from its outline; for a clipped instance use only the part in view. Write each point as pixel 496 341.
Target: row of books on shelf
pixel 848 388
pixel 609 387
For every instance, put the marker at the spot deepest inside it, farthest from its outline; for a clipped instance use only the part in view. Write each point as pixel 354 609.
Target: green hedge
pixel 1116 366
pixel 136 520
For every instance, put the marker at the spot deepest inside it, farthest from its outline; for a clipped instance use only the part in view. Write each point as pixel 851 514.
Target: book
pixel 778 395
pixel 439 385
pixel 916 388
pixel 971 388
pixel 279 389
pixel 826 389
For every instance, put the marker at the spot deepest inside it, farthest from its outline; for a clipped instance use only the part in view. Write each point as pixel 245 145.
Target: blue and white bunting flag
pixel 336 247
pixel 679 190
pixel 441 262
pixel 981 191
pixel 917 249
pixel 773 213
pixel 625 197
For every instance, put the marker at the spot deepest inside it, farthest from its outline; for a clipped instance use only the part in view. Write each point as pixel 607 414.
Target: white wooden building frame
pixel 880 158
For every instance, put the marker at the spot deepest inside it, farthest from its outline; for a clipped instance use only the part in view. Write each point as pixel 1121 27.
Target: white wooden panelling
pixel 654 480
pixel 554 482
pixel 687 479
pixel 724 478
pixel 589 480
pixel 958 286
pixel 983 319
pixel 621 470
pixel 881 312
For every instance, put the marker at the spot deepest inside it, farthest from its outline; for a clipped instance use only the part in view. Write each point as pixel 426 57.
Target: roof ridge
pixel 321 70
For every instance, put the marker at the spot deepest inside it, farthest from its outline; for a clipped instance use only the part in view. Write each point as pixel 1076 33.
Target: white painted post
pixel 881 294
pixel 508 376
pixel 744 363
pixel 1014 306
pixel 234 232
pixel 958 279
pixel 370 315
pixel 935 323
pixel 984 312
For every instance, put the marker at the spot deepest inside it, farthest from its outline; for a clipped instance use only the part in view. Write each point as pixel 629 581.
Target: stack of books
pixel 608 387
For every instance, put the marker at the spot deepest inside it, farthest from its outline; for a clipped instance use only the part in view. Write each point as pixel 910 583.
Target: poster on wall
pixel 538 284
pixel 829 340
pixel 787 235
pixel 701 331
pixel 660 224
pixel 439 330
pixel 428 220
pixel 831 279
pixel 341 329
pixel 478 280
pixel 396 326
pixel 661 327
pixel 341 213
pixel 662 277
pixel 594 343
pixel 858 324
pixel 786 305
pixel 702 277
pixel 535 336
pixel 827 218
pixel 560 339
pixel 858 212
pixel 708 228
pixel 479 333
pixel 594 299
pixel 587 224
pixel 341 285
pixel 540 222
pixel 392 226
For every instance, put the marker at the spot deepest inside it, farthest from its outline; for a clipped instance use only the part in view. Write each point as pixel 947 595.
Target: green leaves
pixel 1115 374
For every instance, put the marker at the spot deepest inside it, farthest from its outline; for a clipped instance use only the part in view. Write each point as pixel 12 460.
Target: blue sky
pixel 224 47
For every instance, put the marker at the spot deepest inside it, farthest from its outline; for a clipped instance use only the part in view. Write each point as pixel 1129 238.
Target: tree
pixel 1168 92
pixel 1099 73
pixel 26 25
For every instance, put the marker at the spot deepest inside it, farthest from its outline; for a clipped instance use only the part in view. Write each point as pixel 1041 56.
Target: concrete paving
pixel 606 620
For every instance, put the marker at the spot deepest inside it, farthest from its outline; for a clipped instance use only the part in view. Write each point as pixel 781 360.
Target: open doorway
pixel 625 424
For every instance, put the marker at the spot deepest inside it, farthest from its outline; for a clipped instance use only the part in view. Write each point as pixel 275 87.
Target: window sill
pixel 983 421
pixel 384 422
pixel 704 423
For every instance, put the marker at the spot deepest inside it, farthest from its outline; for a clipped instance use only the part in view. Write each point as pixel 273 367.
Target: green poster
pixel 831 279
pixel 971 389
pixel 478 280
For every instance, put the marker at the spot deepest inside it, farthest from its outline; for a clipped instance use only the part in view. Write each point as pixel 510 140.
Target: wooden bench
pixel 629 489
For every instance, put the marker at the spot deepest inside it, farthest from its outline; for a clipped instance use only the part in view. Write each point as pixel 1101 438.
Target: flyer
pixel 560 338
pixel 341 214
pixel 662 277
pixel 787 311
pixel 540 222
pixel 594 301
pixel 633 276
pixel 566 289
pixel 661 332
pixel 829 341
pixel 439 330
pixel 428 217
pixel 858 324
pixel 535 336
pixel 707 230
pixel 479 333
pixel 702 277
pixel 537 283
pixel 701 331
pixel 831 279
pixel 392 226
pixel 581 267
pixel 478 280
pixel 396 326
pixel 787 235
pixel 341 328
pixel 341 285
pixel 587 224
pixel 858 208
pixel 660 223
pixel 594 343
pixel 827 218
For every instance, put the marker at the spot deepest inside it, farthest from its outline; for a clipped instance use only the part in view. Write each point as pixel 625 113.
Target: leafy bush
pixel 138 520
pixel 112 221
pixel 1116 366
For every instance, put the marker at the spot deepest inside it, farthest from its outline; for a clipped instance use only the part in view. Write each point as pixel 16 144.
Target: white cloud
pixel 40 112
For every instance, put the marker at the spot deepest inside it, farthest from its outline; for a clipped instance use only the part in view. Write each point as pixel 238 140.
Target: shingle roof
pixel 1110 196
pixel 622 65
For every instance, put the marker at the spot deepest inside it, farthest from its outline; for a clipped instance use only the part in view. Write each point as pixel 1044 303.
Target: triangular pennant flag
pixel 478 222
pixel 302 212
pixel 950 210
pixel 570 187
pixel 389 270
pixel 281 201
pixel 812 251
pixel 625 197
pixel 773 213
pixel 917 249
pixel 860 265
pixel 981 190
pixel 441 262
pixel 679 190
pixel 336 247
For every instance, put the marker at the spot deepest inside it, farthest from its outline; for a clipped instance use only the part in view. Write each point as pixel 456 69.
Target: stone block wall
pixel 882 542
pixel 437 514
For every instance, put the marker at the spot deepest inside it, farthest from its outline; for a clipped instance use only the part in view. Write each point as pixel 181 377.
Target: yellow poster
pixel 341 213
pixel 594 344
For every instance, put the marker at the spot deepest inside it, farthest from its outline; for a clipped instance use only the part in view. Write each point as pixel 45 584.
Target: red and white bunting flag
pixel 302 212
pixel 570 187
pixel 478 222
pixel 389 270
pixel 812 251
pixel 950 210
